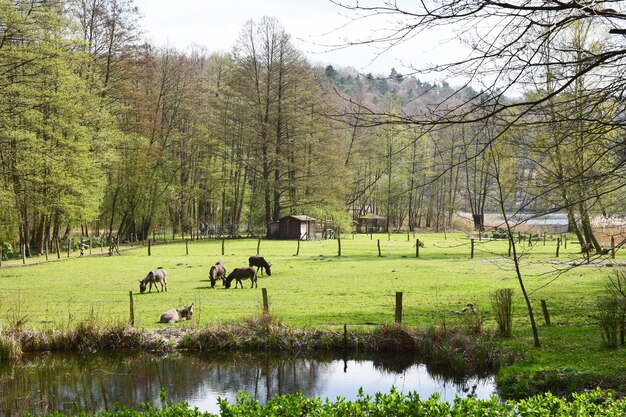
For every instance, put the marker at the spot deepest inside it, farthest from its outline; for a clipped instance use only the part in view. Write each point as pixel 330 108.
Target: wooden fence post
pixel 558 245
pixel 258 246
pixel 378 243
pixel 398 307
pixel 417 248
pixel 546 314
pixel 186 246
pixel 266 305
pixel 132 309
pixel 298 250
pixel 565 246
pixel 24 254
pixel 472 250
pixel 530 239
pixel 149 248
pixel 510 245
pixel 338 242
pixel 612 247
pixel 544 239
pixel 223 242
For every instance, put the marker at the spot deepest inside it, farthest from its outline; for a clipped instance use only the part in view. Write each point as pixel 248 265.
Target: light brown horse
pixel 241 273
pixel 217 271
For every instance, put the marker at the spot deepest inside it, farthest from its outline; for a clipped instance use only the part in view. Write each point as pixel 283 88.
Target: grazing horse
pixel 218 271
pixel 260 262
pixel 154 277
pixel 241 273
pixel 175 315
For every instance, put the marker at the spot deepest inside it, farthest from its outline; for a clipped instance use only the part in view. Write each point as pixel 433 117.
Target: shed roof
pixel 302 218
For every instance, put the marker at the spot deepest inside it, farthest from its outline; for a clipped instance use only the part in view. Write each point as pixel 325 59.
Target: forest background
pixel 102 131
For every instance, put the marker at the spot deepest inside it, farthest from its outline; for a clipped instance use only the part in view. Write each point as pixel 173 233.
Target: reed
pixel 10 347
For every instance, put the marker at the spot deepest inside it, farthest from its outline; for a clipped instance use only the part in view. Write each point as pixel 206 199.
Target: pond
pixel 72 382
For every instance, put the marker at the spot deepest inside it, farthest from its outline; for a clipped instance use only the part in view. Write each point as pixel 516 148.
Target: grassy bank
pixel 457 351
pixel 319 291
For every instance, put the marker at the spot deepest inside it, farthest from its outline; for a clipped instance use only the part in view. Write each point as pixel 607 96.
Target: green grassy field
pixel 318 289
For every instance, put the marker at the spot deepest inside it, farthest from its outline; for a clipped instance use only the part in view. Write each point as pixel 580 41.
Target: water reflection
pixel 72 383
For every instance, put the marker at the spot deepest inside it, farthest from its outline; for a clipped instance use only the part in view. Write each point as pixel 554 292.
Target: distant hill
pixel 407 91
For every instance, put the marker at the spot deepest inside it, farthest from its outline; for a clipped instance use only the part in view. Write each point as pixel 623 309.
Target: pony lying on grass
pixel 175 315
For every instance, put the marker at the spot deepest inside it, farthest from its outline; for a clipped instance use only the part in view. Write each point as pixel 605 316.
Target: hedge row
pixel 594 403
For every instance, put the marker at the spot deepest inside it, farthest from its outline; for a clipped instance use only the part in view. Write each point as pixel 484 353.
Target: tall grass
pixel 10 347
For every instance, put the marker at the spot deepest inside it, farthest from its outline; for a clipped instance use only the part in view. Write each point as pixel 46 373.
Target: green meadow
pixel 315 288
pixel 319 289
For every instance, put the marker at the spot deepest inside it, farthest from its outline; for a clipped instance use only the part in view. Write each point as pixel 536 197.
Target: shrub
pixel 7 250
pixel 394 403
pixel 616 288
pixel 608 310
pixel 502 303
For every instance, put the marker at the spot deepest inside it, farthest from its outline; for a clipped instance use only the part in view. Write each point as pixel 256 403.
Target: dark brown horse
pixel 260 262
pixel 217 271
pixel 241 273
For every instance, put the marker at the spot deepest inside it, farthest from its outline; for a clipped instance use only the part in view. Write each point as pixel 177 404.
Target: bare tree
pixel 563 84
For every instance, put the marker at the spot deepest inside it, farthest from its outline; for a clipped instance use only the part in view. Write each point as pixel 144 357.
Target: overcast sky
pixel 216 24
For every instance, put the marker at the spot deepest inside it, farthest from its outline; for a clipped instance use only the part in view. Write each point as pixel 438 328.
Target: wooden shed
pixel 297 227
pixel 370 223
